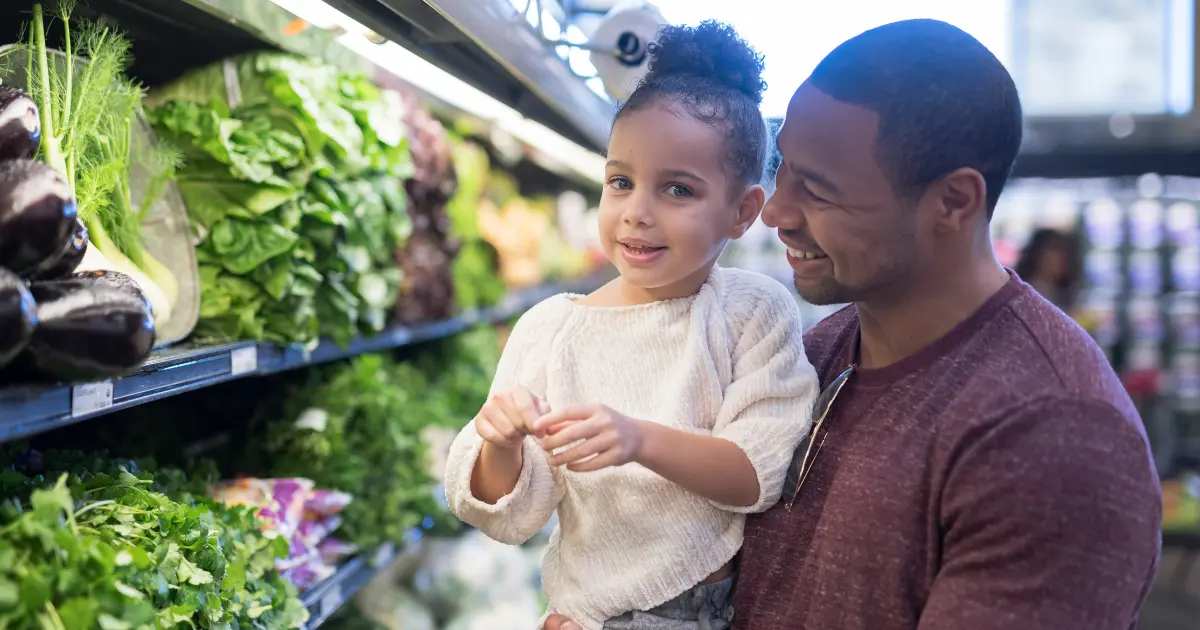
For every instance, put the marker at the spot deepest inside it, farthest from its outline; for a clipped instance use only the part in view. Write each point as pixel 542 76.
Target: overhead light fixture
pixel 440 84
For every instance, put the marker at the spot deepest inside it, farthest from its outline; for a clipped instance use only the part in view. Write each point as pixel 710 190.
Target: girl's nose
pixel 638 211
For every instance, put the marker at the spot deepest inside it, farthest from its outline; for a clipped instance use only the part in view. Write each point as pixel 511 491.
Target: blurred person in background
pixel 1050 263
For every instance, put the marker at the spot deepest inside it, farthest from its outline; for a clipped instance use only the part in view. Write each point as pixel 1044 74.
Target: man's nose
pixel 779 213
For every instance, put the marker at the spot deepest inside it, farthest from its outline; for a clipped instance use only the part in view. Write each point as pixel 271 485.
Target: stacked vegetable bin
pixel 269 204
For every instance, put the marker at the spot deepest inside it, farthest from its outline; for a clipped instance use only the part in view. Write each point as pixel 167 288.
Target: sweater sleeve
pixel 519 515
pixel 767 408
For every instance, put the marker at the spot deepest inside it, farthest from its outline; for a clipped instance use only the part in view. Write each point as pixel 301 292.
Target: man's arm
pixel 1051 520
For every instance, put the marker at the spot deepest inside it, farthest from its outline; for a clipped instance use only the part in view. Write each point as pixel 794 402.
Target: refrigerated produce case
pixel 496 138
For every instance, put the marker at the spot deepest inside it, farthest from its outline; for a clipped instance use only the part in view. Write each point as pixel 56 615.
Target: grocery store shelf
pixel 488 44
pixel 27 410
pixel 531 100
pixel 1066 163
pixel 327 597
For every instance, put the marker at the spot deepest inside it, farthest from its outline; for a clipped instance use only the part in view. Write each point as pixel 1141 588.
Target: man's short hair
pixel 944 102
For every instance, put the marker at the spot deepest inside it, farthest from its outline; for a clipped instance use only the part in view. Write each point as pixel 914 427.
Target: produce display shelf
pixel 26 410
pixel 330 595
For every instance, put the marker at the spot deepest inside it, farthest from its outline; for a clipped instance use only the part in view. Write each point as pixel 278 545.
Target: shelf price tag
pixel 91 397
pixel 243 360
pixel 331 600
pixel 385 554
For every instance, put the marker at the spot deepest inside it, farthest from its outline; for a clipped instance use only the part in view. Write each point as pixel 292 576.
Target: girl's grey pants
pixel 704 607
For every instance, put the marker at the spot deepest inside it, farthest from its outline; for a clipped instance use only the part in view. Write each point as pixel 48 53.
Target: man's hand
pixel 507 417
pixel 559 622
pixel 608 438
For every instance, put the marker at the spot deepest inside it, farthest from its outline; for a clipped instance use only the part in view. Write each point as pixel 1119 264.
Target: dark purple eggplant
pixel 86 279
pixel 18 315
pixel 68 259
pixel 89 330
pixel 37 215
pixel 20 127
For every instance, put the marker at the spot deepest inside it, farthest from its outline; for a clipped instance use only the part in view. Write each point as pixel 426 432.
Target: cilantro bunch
pixel 102 549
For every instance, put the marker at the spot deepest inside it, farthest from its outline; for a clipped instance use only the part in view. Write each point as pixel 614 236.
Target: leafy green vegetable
pixel 296 193
pixel 102 547
pixel 476 281
pixel 373 442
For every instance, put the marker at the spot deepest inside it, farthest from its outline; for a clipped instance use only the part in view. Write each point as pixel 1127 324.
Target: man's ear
pixel 749 208
pixel 960 198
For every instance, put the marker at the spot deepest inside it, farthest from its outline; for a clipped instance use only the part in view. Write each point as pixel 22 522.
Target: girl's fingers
pixel 604 460
pixel 573 413
pixel 586 449
pixel 573 432
pixel 489 432
pixel 556 428
pixel 493 413
pixel 527 409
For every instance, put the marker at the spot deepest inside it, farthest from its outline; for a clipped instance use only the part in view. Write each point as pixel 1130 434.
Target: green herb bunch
pixel 372 438
pixel 100 548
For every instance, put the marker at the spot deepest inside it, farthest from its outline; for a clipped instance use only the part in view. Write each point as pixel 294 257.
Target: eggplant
pixel 68 259
pixel 101 277
pixel 20 127
pixel 18 315
pixel 115 279
pixel 89 330
pixel 38 215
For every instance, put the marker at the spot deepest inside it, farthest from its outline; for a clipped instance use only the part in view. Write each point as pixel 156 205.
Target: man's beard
pixel 828 292
pixel 886 279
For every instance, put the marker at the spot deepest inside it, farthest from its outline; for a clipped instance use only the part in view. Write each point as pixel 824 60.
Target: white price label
pixel 331 600
pixel 384 554
pixel 91 397
pixel 243 360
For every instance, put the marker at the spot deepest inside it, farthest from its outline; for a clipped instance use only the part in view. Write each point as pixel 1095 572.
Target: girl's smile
pixel 639 252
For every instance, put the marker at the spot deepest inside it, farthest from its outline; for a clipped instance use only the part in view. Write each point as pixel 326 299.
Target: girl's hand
pixel 507 417
pixel 609 438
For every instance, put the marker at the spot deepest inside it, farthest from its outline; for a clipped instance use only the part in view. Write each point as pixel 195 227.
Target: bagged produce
pixel 303 516
pixel 87 134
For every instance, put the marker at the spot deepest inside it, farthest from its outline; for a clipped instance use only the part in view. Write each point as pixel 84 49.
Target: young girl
pixel 656 412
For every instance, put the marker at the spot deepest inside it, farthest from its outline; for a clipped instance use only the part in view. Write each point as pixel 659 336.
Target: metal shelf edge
pixel 332 594
pixel 26 410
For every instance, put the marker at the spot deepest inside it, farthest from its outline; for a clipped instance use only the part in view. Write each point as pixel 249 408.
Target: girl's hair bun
pixel 711 50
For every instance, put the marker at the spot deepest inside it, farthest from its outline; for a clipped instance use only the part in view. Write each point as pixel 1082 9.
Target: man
pixel 980 466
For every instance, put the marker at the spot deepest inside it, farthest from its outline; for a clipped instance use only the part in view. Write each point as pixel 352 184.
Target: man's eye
pixel 679 190
pixel 620 183
pixel 814 196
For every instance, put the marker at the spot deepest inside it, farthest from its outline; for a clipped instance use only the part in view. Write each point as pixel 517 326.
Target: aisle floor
pixel 1174 604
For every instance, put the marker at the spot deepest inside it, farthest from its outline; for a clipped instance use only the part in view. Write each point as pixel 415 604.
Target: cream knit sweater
pixel 727 362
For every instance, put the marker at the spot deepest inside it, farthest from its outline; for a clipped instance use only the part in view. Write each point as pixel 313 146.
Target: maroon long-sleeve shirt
pixel 999 479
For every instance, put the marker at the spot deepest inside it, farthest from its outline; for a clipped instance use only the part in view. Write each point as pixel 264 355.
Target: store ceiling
pixel 484 44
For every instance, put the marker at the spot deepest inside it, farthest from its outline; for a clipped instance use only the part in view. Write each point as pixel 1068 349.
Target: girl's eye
pixel 679 190
pixel 620 183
